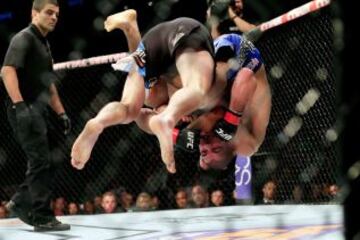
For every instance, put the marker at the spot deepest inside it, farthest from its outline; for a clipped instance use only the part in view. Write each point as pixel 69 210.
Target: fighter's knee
pixel 131 11
pixel 131 113
pixel 202 91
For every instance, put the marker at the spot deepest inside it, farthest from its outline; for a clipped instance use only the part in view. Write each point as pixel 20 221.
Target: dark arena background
pixel 301 154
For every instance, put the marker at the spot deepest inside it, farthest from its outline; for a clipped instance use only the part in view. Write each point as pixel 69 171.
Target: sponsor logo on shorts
pixel 177 37
pixel 253 63
pixel 151 82
pixel 139 57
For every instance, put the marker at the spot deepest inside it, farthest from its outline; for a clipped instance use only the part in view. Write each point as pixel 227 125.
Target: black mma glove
pixel 21 110
pixel 186 139
pixel 65 123
pixel 226 127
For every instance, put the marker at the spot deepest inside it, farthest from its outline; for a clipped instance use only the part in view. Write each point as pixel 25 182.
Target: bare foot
pixel 81 150
pixel 124 20
pixel 163 131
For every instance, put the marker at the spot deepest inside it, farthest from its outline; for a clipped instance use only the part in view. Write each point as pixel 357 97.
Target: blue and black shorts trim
pixel 248 57
pixel 139 56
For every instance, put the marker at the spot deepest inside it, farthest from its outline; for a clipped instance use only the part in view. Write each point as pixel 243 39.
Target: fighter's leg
pixel 196 72
pixel 142 121
pixel 127 22
pixel 113 113
pixel 158 94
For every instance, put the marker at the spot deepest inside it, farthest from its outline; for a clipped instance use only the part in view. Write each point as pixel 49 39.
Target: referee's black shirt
pixel 30 54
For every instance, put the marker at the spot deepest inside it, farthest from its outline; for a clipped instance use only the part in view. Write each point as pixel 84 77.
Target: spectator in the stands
pixel 97 203
pixel 109 203
pixel 217 198
pixel 199 197
pixel 181 199
pixel 126 200
pixel 72 209
pixel 268 193
pixel 155 202
pixel 143 203
pixel 297 196
pixel 89 208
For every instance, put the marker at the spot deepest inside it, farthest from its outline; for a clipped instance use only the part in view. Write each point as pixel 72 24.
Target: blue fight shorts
pixel 139 57
pixel 246 54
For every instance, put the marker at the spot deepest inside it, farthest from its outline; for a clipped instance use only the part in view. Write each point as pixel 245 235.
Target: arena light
pixel 73 3
pixel 5 16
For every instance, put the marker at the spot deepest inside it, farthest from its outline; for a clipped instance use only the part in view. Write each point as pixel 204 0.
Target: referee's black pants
pixel 34 194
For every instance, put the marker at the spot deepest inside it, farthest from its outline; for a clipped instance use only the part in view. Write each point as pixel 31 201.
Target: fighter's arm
pixel 241 93
pixel 251 132
pixel 245 142
pixel 242 90
pixel 243 86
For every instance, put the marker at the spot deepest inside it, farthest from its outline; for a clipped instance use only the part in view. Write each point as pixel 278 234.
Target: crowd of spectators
pixel 196 196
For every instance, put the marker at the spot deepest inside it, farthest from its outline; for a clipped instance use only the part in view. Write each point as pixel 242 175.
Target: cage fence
pixel 298 150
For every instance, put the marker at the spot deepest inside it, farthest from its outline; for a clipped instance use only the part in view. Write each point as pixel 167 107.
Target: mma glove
pixel 186 139
pixel 226 127
pixel 65 123
pixel 21 110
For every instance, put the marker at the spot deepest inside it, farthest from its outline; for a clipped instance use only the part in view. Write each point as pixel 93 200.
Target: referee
pixel 29 81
